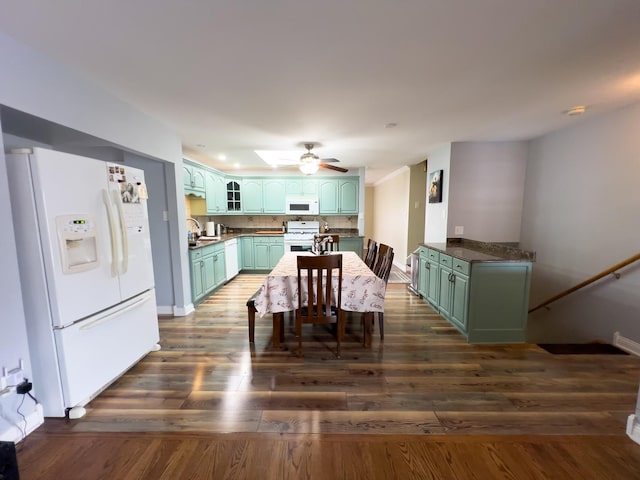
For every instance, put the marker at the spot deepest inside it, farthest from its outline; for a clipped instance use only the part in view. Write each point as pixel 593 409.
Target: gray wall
pixel 486 189
pixel 157 205
pixel 13 331
pixel 581 216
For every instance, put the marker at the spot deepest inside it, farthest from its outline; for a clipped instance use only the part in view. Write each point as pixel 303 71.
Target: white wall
pixel 34 84
pixel 486 188
pixel 435 230
pixel 581 216
pixel 391 213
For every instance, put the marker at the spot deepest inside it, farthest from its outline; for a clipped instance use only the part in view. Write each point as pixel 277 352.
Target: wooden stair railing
pixel 590 280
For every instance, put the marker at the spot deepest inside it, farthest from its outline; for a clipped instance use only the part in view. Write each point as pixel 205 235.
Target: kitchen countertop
pixel 256 233
pixel 474 251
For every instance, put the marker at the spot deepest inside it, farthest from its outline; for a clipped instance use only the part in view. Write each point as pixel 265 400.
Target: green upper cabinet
pixel 263 195
pixel 193 179
pixel 338 196
pixel 234 205
pixel 215 193
pixel 252 195
pixel 301 186
pixel 273 195
pixel 348 196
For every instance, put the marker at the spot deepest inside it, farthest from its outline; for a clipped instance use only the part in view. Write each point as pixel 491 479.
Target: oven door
pixel 296 247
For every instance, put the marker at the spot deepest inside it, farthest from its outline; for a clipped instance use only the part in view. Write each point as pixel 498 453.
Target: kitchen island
pixel 481 288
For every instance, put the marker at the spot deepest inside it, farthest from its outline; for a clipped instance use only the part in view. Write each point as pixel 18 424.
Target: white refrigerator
pixel 86 273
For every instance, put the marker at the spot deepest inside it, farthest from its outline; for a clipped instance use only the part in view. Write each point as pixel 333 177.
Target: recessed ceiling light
pixel 391 125
pixel 577 110
pixel 236 165
pixel 222 157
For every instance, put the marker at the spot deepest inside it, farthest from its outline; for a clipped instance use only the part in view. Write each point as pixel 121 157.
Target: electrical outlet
pixel 459 230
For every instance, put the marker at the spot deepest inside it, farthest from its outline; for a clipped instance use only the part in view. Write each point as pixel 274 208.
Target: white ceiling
pixel 244 75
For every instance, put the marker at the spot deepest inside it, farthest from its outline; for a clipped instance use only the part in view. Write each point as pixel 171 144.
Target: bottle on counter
pixel 284 228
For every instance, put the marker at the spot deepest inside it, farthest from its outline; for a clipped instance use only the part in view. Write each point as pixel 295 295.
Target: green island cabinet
pixel 486 301
pixel 351 244
pixel 207 270
pixel 263 195
pixel 338 196
pixel 193 179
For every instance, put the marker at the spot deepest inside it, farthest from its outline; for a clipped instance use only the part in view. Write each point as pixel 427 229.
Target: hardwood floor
pixel 209 405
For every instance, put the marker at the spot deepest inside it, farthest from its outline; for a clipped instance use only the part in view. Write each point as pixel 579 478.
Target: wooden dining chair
pixel 372 249
pixel 382 251
pixel 322 307
pixel 383 272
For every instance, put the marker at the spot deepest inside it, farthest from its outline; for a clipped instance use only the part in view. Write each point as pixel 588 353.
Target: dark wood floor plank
pixel 420 404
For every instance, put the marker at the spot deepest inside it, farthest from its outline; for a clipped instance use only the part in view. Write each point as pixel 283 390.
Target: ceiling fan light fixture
pixel 309 168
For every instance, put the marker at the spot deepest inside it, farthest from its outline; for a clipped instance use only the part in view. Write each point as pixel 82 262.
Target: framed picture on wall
pixel 435 186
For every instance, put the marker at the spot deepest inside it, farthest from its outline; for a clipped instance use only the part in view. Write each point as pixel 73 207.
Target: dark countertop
pixel 252 233
pixel 474 251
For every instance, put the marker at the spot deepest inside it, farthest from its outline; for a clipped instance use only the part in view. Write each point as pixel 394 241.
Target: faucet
pixel 197 224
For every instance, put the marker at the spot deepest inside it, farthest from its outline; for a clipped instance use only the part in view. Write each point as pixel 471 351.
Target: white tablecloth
pixel 362 290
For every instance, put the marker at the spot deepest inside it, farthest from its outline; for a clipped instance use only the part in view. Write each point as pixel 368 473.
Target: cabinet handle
pixel 428 266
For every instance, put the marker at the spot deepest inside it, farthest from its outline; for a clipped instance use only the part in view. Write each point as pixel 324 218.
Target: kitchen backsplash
pixel 274 222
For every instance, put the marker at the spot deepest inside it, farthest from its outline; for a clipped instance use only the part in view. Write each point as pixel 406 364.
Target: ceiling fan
pixel 310 162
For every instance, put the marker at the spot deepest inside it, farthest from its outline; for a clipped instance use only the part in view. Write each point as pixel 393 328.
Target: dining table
pixel 362 291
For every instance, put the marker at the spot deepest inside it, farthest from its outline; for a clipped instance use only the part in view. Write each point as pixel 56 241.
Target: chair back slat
pixel 382 251
pixel 372 249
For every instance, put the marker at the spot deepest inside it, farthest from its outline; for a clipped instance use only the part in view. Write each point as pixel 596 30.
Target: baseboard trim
pixel 633 428
pixel 14 433
pixel 626 344
pixel 165 310
pixel 183 311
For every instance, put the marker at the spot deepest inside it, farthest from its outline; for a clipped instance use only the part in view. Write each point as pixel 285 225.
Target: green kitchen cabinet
pixel 197 277
pixel 247 253
pixel 454 291
pixel 263 196
pixel 487 301
pixel 215 193
pixel 273 196
pixel 432 276
pixel 219 268
pixel 207 270
pixel 252 195
pixel 338 196
pixel 351 244
pixel 193 179
pixel 429 275
pixel 423 272
pixel 268 251
pixel 301 186
pixel 234 203
pixel 348 196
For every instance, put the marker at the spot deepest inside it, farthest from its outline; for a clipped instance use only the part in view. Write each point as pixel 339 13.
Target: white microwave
pixel 307 205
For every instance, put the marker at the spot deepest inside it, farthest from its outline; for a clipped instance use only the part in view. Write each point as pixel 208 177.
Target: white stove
pixel 299 236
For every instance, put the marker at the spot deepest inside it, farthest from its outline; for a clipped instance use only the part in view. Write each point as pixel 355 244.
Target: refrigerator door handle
pixel 112 230
pixel 123 228
pixel 99 321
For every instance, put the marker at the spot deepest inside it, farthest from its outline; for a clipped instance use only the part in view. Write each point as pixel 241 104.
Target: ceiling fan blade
pixel 333 167
pixel 329 160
